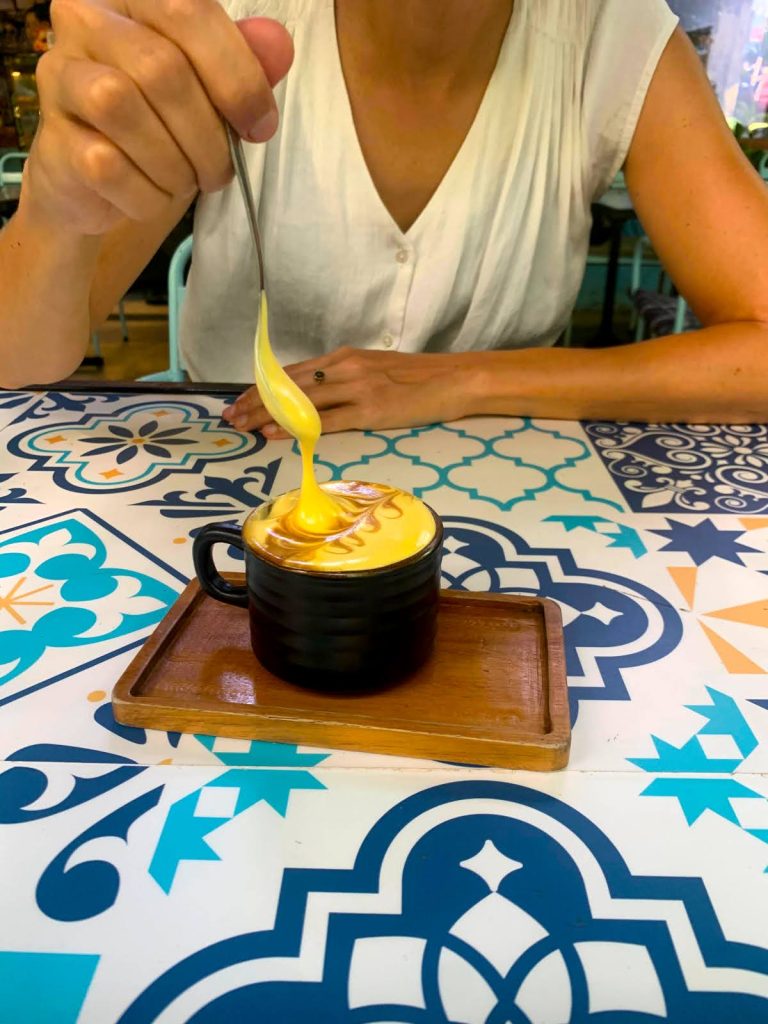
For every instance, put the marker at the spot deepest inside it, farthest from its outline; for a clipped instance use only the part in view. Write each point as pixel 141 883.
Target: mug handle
pixel 211 580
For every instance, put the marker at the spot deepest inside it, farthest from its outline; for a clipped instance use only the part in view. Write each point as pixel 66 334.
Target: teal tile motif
pixel 131 447
pixel 44 988
pixel 265 771
pixel 696 796
pixel 695 779
pixel 724 718
pixel 513 449
pixel 186 827
pixel 261 755
pixel 73 584
pixel 617 534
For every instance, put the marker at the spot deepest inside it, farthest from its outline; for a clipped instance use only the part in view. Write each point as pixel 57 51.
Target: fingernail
pixel 264 128
pixel 270 428
pixel 241 422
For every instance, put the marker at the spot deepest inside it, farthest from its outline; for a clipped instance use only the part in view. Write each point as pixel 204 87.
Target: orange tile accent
pixel 736 663
pixel 222 442
pixel 179 540
pixel 754 522
pixel 16 598
pixel 685 579
pixel 96 695
pixel 110 474
pixel 753 614
pixel 55 440
pixel 167 760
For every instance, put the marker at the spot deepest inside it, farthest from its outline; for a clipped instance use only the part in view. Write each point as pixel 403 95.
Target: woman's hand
pixel 131 98
pixel 364 390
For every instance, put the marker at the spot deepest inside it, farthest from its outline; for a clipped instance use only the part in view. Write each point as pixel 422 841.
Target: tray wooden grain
pixel 494 692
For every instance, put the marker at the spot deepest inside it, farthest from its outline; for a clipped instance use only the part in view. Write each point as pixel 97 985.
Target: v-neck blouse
pixel 495 259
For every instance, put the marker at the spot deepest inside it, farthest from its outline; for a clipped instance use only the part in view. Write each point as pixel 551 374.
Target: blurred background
pixel 731 37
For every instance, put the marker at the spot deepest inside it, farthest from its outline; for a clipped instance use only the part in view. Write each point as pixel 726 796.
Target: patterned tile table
pixel 154 878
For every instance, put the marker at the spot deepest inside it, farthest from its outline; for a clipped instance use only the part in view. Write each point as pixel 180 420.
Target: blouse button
pixel 387 341
pixel 402 256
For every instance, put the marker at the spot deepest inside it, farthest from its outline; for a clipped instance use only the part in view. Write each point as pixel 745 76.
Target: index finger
pixel 224 56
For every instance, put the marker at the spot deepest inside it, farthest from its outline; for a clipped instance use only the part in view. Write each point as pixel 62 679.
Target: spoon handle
pixel 241 173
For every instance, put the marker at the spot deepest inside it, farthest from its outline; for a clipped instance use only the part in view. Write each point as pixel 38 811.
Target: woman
pixel 425 202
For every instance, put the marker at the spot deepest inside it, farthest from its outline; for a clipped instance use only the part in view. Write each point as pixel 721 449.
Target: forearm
pixel 716 375
pixel 57 287
pixel 45 283
pixel 124 253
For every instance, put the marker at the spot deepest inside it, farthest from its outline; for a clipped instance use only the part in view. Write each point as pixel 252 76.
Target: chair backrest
pixel 176 275
pixel 763 166
pixel 176 288
pixel 12 167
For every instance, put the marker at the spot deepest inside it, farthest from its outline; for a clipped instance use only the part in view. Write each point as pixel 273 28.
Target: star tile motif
pixel 452 544
pixel 704 541
pixel 491 865
pixel 603 614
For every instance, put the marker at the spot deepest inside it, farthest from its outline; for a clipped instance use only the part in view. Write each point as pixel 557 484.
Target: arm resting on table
pixel 706 212
pixel 716 375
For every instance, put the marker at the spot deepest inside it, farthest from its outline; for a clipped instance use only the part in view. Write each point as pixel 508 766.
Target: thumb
pixel 271 43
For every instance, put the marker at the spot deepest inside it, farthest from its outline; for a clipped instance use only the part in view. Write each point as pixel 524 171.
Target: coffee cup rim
pixel 435 541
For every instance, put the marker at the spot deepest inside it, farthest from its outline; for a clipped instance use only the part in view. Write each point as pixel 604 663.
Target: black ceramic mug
pixel 342 631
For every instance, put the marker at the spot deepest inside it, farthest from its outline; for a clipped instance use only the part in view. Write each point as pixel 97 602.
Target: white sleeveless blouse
pixel 496 258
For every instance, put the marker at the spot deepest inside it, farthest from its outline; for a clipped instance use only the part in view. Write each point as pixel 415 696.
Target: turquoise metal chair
pixel 12 167
pixel 662 311
pixel 176 288
pixel 763 166
pixel 11 170
pixel 97 359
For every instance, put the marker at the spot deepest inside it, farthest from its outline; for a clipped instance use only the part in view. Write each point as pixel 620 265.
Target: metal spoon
pixel 283 399
pixel 241 173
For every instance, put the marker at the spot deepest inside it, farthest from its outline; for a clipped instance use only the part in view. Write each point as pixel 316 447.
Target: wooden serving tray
pixel 494 692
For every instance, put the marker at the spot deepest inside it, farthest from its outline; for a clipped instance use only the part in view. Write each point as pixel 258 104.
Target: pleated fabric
pixel 496 258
